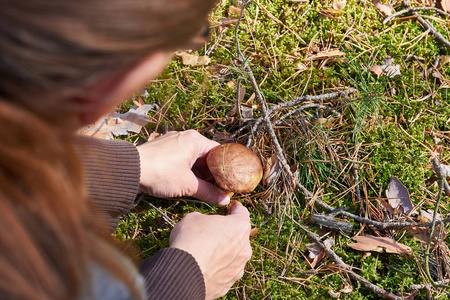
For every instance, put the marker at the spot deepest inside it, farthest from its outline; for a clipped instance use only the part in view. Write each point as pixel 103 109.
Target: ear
pixel 113 90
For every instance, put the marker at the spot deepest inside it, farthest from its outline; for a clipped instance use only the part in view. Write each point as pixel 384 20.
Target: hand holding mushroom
pixel 179 163
pixel 174 165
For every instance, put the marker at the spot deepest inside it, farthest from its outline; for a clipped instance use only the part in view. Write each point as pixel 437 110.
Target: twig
pixel 316 98
pixel 380 225
pixel 441 178
pixel 425 23
pixel 330 222
pixel 164 216
pixel 343 266
pixel 358 191
pixel 296 101
pixel 423 286
pixel 414 9
pixel 437 168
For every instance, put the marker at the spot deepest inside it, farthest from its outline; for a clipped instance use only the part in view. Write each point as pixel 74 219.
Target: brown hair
pixel 47 237
pixel 54 49
pixel 51 51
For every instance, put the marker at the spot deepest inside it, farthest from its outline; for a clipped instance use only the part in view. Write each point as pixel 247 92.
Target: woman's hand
pixel 219 244
pixel 174 165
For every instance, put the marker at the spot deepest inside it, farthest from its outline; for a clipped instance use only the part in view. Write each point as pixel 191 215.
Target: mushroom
pixel 235 168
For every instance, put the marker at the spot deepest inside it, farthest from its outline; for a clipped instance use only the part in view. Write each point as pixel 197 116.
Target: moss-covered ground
pixel 383 128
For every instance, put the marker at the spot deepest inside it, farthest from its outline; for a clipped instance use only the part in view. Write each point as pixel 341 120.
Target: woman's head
pixel 55 54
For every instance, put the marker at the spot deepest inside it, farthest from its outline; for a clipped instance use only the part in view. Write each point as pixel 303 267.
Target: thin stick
pixel 423 286
pixel 343 266
pixel 164 216
pixel 430 239
pixel 414 9
pixel 358 191
pixel 437 35
pixel 438 170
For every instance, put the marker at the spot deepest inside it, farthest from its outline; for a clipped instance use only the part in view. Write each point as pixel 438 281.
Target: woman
pixel 63 64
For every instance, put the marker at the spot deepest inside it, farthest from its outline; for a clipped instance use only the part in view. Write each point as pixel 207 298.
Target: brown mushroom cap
pixel 235 168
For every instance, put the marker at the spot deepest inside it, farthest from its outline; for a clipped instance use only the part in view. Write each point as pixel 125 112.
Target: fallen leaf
pixel 231 84
pixel 398 196
pixel 388 207
pixel 445 59
pixel 330 13
pixel 444 5
pixel 428 215
pixel 325 54
pixel 247 110
pixel 193 60
pixel 373 243
pixel 347 289
pixel 420 234
pixel 390 68
pixel 254 231
pixel 234 11
pixel 334 294
pixel 386 9
pixel 316 253
pixel 376 70
pixel 339 4
pixel 120 124
pixel 271 170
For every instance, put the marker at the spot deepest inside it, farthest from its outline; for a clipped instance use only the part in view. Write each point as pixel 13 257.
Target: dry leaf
pixel 247 110
pixel 386 9
pixel 334 294
pixel 388 207
pixel 347 289
pixel 373 243
pixel 389 68
pixel 445 59
pixel 194 60
pixel 271 170
pixel 398 196
pixel 254 231
pixel 339 4
pixel 444 5
pixel 316 253
pixel 420 234
pixel 376 70
pixel 234 11
pixel 326 54
pixel 120 124
pixel 330 13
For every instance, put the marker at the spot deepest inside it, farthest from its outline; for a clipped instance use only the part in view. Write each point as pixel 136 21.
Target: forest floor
pixel 348 107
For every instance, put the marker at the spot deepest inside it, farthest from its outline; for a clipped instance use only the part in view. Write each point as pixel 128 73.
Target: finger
pixel 203 144
pixel 238 209
pixel 209 193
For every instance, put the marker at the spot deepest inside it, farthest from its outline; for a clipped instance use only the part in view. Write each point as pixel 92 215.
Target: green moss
pixel 384 119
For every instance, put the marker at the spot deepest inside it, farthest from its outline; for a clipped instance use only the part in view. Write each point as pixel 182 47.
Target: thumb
pixel 209 193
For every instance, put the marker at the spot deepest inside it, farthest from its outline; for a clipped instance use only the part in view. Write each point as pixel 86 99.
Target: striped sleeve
pixel 173 274
pixel 112 171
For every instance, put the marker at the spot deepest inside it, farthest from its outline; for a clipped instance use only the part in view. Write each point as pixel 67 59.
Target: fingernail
pixel 224 201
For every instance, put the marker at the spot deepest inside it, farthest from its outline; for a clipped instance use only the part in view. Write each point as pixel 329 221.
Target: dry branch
pixel 343 266
pixel 414 9
pixel 425 23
